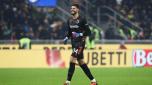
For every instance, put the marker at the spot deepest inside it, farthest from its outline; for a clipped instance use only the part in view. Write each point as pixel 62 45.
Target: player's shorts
pixel 77 49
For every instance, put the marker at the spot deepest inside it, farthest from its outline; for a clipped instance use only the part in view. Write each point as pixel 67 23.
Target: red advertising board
pixel 142 57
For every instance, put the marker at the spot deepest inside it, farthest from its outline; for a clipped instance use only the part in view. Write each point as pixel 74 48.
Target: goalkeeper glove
pixel 65 40
pixel 75 34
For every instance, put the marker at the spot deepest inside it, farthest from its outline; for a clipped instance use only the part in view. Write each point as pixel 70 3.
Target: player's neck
pixel 75 16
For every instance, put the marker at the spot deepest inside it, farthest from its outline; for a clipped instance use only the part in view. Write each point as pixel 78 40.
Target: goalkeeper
pixel 78 29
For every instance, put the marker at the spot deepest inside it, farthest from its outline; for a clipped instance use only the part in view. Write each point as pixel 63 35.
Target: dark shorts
pixel 77 49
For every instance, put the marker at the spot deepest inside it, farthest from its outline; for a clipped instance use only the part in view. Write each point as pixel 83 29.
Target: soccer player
pixel 78 29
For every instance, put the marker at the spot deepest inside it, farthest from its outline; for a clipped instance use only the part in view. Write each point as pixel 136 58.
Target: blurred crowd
pixel 18 18
pixel 137 11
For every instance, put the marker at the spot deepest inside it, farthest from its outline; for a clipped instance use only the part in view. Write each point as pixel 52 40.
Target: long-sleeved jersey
pixel 78 25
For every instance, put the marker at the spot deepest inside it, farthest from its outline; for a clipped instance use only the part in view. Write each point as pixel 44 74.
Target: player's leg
pixel 84 66
pixel 71 70
pixel 87 71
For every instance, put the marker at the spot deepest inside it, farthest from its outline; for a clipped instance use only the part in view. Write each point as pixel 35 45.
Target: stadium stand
pixel 116 19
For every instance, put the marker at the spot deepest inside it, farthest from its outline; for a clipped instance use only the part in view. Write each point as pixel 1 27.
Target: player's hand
pixel 65 40
pixel 75 34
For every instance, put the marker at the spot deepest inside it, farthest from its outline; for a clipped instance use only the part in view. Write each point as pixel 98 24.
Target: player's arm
pixel 87 31
pixel 68 33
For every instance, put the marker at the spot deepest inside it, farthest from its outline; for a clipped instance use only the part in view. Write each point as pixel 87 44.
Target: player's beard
pixel 73 13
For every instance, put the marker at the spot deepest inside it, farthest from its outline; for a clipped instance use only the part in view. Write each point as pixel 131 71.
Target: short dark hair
pixel 76 5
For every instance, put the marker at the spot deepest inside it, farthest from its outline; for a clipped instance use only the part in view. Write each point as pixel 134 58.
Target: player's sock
pixel 67 82
pixel 93 80
pixel 71 71
pixel 87 71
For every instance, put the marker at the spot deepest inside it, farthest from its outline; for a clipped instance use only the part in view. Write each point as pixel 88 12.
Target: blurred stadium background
pixel 119 52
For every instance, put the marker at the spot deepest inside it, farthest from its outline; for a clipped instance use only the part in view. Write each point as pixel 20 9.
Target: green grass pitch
pixel 105 76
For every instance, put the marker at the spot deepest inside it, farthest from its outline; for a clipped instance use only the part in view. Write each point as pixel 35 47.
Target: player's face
pixel 74 10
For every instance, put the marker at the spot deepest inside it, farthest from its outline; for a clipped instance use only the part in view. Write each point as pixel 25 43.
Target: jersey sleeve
pixel 87 31
pixel 68 33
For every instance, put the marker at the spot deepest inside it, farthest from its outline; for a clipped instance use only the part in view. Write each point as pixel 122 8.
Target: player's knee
pixel 81 62
pixel 73 60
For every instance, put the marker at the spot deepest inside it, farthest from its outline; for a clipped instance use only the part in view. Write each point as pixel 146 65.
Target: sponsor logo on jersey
pixel 74 26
